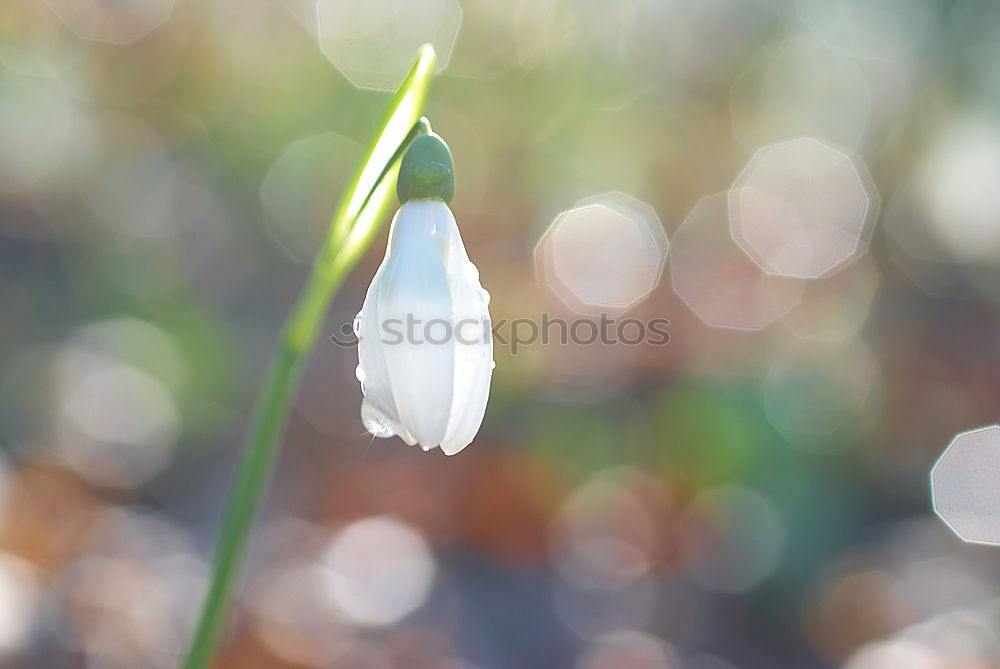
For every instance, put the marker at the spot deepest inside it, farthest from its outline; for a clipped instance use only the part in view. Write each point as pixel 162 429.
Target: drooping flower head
pixel 425 347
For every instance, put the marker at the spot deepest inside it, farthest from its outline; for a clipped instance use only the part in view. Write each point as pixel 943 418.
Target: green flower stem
pixel 355 223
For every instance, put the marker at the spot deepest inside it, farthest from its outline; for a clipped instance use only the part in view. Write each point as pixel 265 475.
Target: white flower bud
pixel 425 342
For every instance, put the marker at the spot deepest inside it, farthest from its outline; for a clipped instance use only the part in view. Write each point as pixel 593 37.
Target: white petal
pixel 473 340
pixel 414 293
pixel 429 392
pixel 378 409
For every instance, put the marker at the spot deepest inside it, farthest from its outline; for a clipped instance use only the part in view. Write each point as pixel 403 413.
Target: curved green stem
pixel 354 225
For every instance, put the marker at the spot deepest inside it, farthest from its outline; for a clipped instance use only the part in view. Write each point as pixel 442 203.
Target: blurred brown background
pixel 737 498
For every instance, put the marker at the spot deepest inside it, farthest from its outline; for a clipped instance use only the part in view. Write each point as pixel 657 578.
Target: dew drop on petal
pixel 376 422
pixel 359 372
pixel 357 330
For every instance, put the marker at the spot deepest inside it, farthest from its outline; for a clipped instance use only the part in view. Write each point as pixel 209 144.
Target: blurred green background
pixel 748 499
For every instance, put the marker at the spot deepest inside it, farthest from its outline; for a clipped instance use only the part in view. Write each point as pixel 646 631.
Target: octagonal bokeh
pixel 603 256
pixel 965 485
pixel 111 20
pixel 301 188
pixel 717 280
pixel 374 43
pixel 803 209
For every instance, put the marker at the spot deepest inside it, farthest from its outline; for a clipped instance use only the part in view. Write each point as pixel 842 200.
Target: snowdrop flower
pixel 425 346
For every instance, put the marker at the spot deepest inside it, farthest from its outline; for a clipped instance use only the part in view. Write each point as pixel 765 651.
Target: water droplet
pixel 493 364
pixel 357 327
pixel 484 295
pixel 471 272
pixel 380 430
pixel 362 377
pixel 376 422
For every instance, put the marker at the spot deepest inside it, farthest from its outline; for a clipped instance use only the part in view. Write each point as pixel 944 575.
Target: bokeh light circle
pixel 379 570
pixel 602 536
pixel 132 596
pixel 112 20
pixel 292 621
pixel 720 284
pixel 628 649
pixel 296 194
pixel 965 485
pixel 803 208
pixel 374 43
pixel 958 176
pixel 115 410
pixel 37 121
pixel 737 538
pixel 813 389
pixel 603 256
pixel 20 600
pixel 896 653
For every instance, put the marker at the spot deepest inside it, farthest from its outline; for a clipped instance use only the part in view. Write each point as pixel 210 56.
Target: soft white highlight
pixel 429 389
